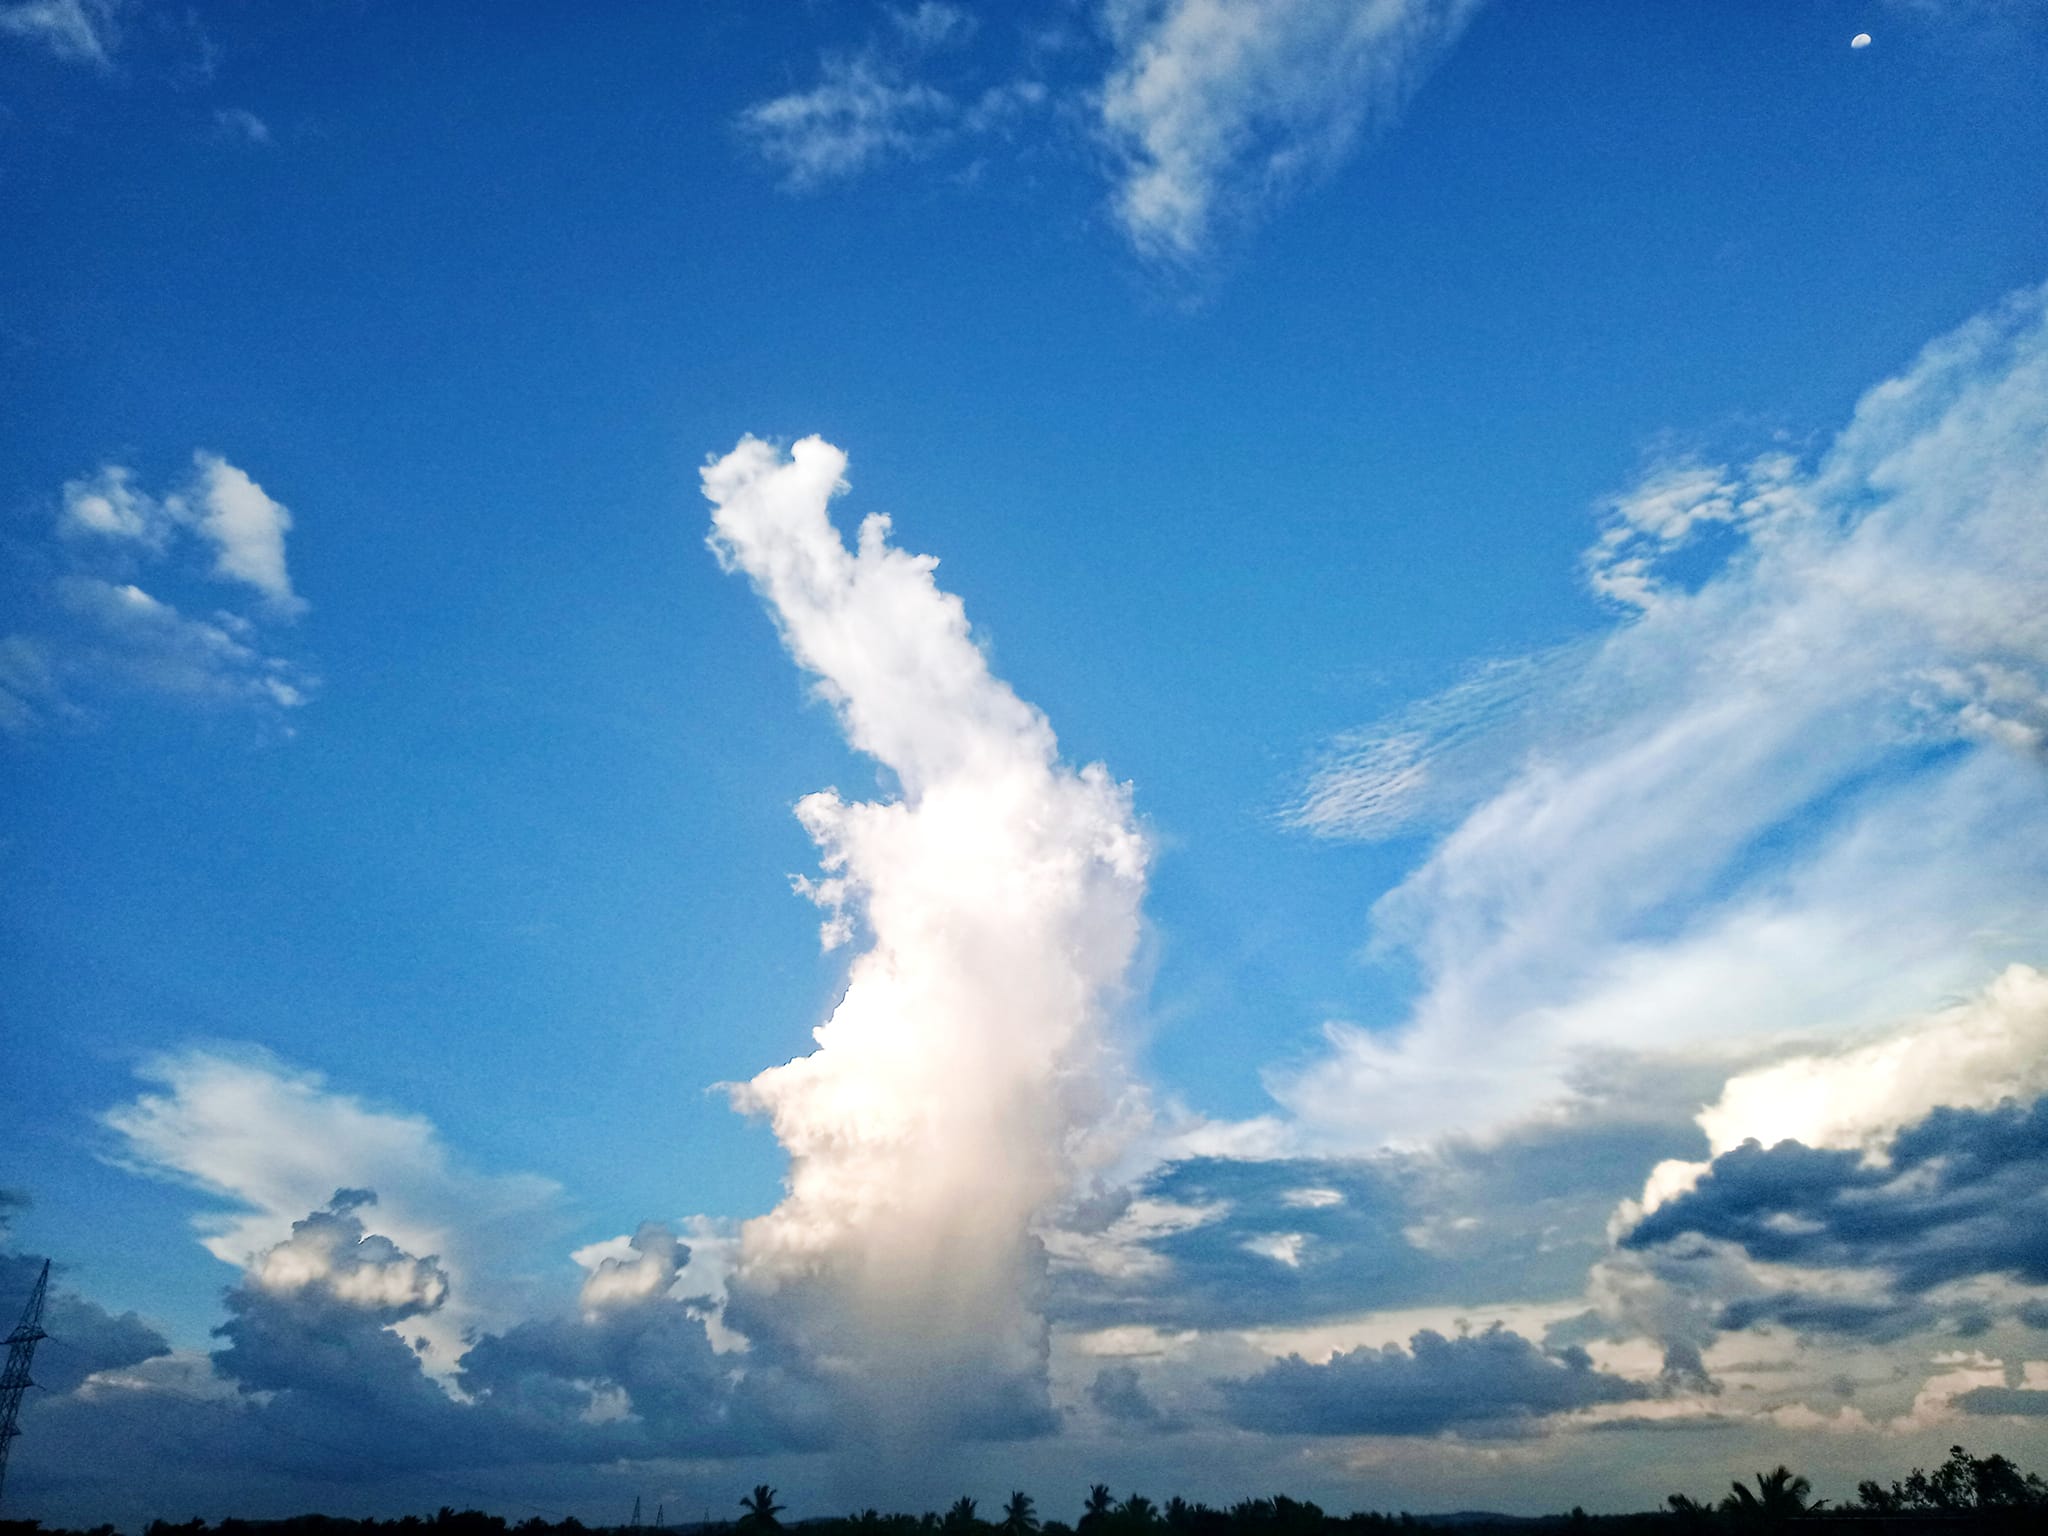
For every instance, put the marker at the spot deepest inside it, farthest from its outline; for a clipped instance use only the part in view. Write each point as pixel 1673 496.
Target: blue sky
pixel 1538 508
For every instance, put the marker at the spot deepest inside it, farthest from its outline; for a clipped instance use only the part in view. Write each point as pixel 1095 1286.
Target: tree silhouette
pixel 1019 1519
pixel 1138 1512
pixel 761 1509
pixel 1962 1483
pixel 1100 1506
pixel 960 1518
pixel 1691 1515
pixel 1780 1495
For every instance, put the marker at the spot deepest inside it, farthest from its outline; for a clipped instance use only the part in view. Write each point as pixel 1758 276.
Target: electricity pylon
pixel 14 1381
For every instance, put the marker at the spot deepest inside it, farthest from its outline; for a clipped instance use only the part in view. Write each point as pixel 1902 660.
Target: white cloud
pixel 246 528
pixel 957 1083
pixel 140 641
pixel 29 687
pixel 1281 1247
pixel 76 31
pixel 276 1142
pixel 104 631
pixel 330 1255
pixel 856 117
pixel 933 24
pixel 1971 1055
pixel 1216 106
pixel 241 124
pixel 1800 797
pixel 109 506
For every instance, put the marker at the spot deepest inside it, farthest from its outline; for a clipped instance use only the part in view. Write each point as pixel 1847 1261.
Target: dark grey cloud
pixel 1963 1193
pixel 311 1383
pixel 1523 1218
pixel 1118 1395
pixel 648 1352
pixel 1484 1383
pixel 2034 1313
pixel 84 1336
pixel 2025 1401
pixel 1879 1320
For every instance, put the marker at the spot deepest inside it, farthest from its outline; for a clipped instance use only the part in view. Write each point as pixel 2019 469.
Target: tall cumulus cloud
pixel 957 1085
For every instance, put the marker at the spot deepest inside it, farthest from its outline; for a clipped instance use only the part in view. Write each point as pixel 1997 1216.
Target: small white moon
pixel 1860 40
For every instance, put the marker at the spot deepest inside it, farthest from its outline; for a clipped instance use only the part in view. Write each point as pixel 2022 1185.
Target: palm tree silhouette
pixel 960 1518
pixel 1101 1504
pixel 1018 1516
pixel 1139 1511
pixel 761 1509
pixel 1780 1495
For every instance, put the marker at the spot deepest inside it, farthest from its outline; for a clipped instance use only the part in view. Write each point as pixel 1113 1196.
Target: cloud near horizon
pixel 1820 751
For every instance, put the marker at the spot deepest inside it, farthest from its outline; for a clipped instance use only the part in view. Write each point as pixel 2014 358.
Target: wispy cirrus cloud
pixel 881 102
pixel 76 31
pixel 1214 109
pixel 1781 797
pixel 1203 113
pixel 854 118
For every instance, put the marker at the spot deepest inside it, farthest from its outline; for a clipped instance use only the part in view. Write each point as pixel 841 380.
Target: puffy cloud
pixel 312 1311
pixel 648 1268
pixel 958 1083
pixel 636 1373
pixel 1117 1394
pixel 276 1141
pixel 1971 1055
pixel 104 631
pixel 1968 1056
pixel 1215 106
pixel 1480 1383
pixel 1794 795
pixel 108 505
pixel 329 1255
pixel 76 31
pixel 1962 1193
pixel 247 529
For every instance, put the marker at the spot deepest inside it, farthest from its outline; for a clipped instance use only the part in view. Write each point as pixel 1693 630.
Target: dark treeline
pixel 1968 1495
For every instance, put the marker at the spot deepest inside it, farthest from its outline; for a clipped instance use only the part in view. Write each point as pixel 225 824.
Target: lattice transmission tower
pixel 14 1381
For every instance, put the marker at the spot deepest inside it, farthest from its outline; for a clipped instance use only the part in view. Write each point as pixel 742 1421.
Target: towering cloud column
pixel 969 1058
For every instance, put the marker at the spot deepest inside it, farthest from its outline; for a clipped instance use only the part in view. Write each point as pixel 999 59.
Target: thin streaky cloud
pixel 857 116
pixel 1214 109
pixel 1789 800
pixel 76 31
